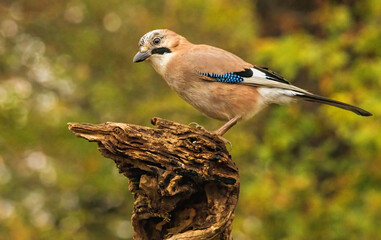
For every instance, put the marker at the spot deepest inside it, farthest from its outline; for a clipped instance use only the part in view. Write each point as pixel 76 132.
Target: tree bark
pixel 184 182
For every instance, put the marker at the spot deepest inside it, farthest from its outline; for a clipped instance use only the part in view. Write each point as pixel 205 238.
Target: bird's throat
pixel 159 62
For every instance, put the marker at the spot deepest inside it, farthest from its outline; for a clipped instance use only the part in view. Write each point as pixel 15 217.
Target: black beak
pixel 141 56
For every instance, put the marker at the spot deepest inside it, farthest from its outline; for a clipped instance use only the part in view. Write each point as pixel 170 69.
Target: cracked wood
pixel 184 182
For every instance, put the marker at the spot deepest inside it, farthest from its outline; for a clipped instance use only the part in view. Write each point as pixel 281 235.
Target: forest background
pixel 307 171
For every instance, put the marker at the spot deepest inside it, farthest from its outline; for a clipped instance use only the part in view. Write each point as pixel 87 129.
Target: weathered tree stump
pixel 184 182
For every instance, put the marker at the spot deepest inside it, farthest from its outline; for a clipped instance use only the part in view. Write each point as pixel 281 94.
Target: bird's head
pixel 156 44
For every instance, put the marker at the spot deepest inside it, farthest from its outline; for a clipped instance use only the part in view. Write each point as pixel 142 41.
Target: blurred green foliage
pixel 307 171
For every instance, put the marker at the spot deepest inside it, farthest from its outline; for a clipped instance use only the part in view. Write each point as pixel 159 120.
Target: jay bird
pixel 218 83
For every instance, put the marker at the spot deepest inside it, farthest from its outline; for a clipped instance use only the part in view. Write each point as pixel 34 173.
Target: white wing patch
pixel 257 73
pixel 272 86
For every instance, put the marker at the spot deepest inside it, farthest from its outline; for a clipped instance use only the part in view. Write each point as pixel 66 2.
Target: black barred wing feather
pixel 237 77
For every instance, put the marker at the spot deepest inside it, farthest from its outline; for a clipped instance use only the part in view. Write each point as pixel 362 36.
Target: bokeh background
pixel 307 171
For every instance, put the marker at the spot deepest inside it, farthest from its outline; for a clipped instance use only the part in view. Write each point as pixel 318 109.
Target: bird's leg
pixel 222 130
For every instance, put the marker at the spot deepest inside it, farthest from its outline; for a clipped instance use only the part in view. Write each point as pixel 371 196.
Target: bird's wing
pixel 214 64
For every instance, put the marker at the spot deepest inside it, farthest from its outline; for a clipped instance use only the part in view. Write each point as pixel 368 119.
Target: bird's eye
pixel 156 41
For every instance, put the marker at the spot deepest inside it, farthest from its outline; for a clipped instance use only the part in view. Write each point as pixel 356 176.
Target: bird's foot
pixel 223 139
pixel 197 126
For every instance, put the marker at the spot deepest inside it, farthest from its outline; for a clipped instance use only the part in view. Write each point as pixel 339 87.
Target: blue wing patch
pixel 230 77
pixel 236 77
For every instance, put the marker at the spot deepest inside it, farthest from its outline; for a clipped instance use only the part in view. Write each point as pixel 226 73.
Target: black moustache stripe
pixel 161 50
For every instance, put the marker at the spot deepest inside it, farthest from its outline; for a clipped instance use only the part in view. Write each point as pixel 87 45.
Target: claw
pixel 194 123
pixel 197 126
pixel 226 142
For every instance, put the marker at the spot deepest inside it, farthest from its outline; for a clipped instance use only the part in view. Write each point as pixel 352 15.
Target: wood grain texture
pixel 184 182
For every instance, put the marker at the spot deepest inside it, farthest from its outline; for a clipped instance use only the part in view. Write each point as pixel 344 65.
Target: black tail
pixel 320 99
